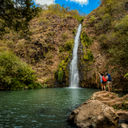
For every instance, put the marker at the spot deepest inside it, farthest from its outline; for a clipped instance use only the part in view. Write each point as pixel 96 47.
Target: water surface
pixel 43 108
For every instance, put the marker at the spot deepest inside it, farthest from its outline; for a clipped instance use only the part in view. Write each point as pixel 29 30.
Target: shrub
pixel 80 19
pixel 92 19
pixel 122 26
pixel 88 56
pixel 86 41
pixel 64 36
pixel 106 20
pixel 60 75
pixel 68 46
pixel 15 74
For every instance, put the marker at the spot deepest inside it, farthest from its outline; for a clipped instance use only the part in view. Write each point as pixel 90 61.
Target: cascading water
pixel 74 74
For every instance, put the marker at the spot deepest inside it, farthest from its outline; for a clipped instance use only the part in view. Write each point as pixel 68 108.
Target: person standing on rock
pixel 109 82
pixel 101 81
pixel 104 79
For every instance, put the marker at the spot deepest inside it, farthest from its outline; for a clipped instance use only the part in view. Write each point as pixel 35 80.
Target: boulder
pixel 123 118
pixel 94 114
pixel 123 125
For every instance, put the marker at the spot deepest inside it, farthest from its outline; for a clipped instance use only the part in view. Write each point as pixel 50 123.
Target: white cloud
pixel 48 2
pixel 44 2
pixel 81 1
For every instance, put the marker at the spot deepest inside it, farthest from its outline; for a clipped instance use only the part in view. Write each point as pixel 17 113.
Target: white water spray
pixel 74 74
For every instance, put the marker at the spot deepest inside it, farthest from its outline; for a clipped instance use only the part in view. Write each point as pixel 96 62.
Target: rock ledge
pixel 99 112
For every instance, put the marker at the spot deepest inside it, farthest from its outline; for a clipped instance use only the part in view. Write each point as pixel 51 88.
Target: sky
pixel 83 6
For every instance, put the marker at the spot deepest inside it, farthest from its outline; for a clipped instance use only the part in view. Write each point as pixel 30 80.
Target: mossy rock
pixel 62 73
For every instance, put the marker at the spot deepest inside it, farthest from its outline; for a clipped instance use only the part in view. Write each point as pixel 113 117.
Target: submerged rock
pixel 94 114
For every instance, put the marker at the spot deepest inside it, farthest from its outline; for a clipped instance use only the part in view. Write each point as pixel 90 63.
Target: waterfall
pixel 74 74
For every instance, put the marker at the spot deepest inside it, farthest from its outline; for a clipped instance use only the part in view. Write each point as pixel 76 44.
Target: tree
pixel 17 13
pixel 7 11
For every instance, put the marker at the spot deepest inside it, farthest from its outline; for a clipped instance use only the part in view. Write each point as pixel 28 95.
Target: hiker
pixel 104 79
pixel 109 82
pixel 101 81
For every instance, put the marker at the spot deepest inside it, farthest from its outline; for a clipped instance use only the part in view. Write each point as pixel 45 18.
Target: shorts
pixel 104 82
pixel 109 82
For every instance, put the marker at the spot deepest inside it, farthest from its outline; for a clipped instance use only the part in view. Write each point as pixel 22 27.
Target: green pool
pixel 43 108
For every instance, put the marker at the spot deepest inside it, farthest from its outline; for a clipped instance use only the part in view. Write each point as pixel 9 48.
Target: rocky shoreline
pixel 103 110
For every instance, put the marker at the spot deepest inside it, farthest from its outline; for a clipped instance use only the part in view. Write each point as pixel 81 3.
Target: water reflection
pixel 74 95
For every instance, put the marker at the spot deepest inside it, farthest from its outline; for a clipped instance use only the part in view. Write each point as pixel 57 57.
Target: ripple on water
pixel 43 108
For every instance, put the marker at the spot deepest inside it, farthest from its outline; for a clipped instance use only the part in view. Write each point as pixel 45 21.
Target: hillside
pixel 107 26
pixel 47 46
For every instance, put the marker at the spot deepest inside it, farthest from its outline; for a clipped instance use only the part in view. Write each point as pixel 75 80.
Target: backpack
pixel 109 77
pixel 104 79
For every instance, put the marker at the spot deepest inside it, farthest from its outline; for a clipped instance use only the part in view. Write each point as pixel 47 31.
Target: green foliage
pixel 106 20
pixel 104 24
pixel 62 72
pixel 17 14
pixel 75 14
pixel 86 41
pixel 103 41
pixel 64 36
pixel 68 46
pixel 2 27
pixel 15 74
pixel 60 75
pixel 111 30
pixel 65 12
pixel 74 32
pixel 122 26
pixel 126 76
pixel 92 19
pixel 44 86
pixel 120 42
pixel 80 18
pixel 88 56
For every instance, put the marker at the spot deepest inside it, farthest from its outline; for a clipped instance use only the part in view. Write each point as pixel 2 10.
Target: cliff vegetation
pixel 107 26
pixel 41 39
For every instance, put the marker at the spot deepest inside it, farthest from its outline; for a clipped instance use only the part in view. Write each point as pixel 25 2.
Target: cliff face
pixel 47 47
pixel 107 28
pixel 52 36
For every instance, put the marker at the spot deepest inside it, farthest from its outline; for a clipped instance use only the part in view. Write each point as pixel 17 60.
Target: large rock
pixel 111 99
pixel 94 114
pixel 123 118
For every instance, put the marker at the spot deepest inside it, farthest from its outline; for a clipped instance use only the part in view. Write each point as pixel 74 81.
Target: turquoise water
pixel 43 108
